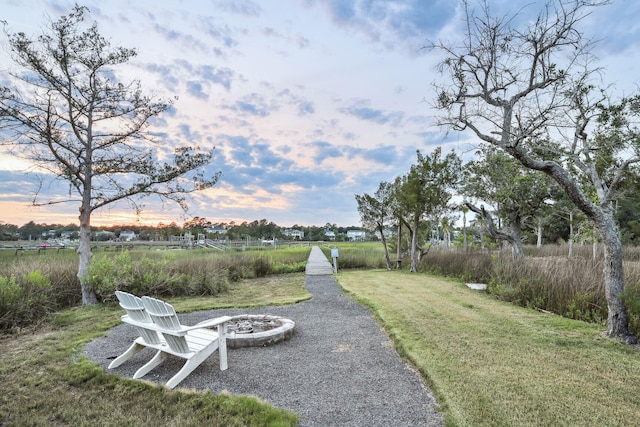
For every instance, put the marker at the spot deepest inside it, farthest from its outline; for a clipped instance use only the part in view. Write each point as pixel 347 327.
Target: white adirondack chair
pixel 136 312
pixel 193 343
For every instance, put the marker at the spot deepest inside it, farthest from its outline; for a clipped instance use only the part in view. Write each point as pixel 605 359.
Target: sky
pixel 307 102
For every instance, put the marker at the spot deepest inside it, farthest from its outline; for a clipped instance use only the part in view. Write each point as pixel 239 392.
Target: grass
pixel 546 279
pixel 490 363
pixel 45 380
pixel 494 364
pixel 279 289
pixel 357 255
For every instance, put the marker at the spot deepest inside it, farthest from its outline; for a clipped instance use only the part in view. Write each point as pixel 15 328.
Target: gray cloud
pixel 324 150
pixel 303 106
pixel 201 77
pixel 252 105
pixel 240 7
pixel 361 111
pixel 391 23
pixel 258 164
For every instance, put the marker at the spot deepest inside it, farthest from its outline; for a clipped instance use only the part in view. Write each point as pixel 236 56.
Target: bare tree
pixel 530 92
pixel 67 112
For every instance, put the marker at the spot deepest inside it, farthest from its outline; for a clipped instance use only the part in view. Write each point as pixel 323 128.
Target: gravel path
pixel 338 369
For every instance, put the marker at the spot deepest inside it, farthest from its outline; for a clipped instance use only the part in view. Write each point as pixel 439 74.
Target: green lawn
pixel 494 364
pixel 489 363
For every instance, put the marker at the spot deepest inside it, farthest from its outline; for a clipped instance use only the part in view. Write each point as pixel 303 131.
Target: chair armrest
pixel 208 323
pixel 177 332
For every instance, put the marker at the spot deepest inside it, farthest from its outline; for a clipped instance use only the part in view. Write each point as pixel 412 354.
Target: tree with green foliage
pixel 32 231
pixel 517 195
pixel 376 213
pixel 530 92
pixel 66 110
pixel 8 231
pixel 424 192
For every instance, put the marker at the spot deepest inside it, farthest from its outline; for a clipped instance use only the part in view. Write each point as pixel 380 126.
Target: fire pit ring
pixel 258 330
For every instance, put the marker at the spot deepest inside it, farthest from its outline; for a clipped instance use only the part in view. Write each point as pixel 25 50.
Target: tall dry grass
pixel 547 279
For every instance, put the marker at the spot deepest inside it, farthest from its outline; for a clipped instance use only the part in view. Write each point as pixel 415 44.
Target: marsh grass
pixel 495 364
pixel 162 273
pixel 45 380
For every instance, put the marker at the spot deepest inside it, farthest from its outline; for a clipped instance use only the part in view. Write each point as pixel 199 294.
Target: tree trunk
pixel 464 231
pixel 618 320
pixel 84 255
pixel 570 234
pixel 447 239
pixel 386 250
pixel 516 243
pixel 415 254
pixel 399 248
pixel 539 242
pixel 604 223
pixel 570 248
pixel 513 238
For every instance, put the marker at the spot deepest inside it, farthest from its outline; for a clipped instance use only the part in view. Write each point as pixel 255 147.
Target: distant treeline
pixel 258 229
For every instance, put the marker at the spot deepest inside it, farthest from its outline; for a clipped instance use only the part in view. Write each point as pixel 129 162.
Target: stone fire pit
pixel 258 330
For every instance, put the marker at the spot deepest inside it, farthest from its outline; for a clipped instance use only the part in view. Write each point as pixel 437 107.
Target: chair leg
pixel 131 351
pixel 190 365
pixel 222 346
pixel 155 361
pixel 182 373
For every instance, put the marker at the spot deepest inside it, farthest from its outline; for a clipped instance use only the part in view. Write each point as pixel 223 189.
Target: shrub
pixel 156 276
pixel 261 267
pixel 108 274
pixel 632 300
pixel 23 303
pixel 10 293
pixel 286 268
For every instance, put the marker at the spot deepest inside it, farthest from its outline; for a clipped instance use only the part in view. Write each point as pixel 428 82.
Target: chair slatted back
pixel 134 308
pixel 164 316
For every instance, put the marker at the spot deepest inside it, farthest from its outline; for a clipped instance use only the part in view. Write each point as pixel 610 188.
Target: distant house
pixel 127 235
pixel 329 234
pixel 49 234
pixel 66 235
pixel 356 235
pixel 104 235
pixel 216 229
pixel 294 234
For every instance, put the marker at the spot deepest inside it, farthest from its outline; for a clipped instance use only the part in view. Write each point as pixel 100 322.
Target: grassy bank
pixel 494 364
pixel 45 381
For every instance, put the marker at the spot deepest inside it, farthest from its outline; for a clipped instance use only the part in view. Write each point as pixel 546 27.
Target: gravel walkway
pixel 338 369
